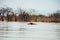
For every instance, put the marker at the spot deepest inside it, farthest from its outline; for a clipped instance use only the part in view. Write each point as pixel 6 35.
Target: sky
pixel 45 7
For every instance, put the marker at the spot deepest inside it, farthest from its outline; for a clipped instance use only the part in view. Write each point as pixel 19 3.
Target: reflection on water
pixel 22 31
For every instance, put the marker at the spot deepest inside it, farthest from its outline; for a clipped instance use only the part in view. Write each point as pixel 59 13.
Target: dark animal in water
pixel 31 23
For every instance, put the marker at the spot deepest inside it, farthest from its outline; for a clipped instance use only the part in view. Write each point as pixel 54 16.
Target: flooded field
pixel 23 31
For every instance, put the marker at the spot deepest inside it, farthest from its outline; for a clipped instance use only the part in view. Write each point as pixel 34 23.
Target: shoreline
pixel 27 22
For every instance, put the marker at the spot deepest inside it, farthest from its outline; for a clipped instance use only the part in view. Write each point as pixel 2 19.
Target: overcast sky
pixel 44 6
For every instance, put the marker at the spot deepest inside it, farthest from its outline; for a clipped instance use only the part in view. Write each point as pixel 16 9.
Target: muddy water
pixel 23 31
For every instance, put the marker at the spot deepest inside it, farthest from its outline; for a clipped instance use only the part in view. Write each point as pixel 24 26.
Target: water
pixel 23 31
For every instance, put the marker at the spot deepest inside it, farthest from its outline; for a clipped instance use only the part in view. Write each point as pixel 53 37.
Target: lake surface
pixel 23 31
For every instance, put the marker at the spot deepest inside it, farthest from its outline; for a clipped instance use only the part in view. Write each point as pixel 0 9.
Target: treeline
pixel 55 16
pixel 7 14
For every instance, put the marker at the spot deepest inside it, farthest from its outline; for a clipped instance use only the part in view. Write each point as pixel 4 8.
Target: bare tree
pixel 55 16
pixel 24 15
pixel 2 12
pixel 5 11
